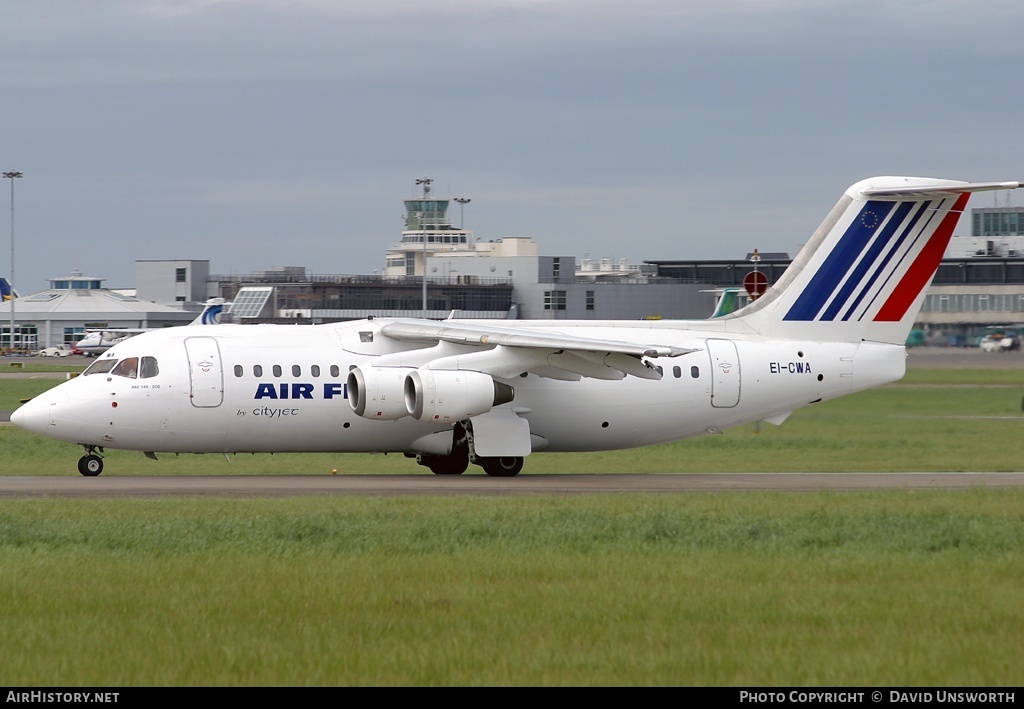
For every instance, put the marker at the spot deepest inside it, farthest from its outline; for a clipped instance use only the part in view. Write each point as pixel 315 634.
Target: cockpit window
pixel 128 367
pixel 149 368
pixel 100 366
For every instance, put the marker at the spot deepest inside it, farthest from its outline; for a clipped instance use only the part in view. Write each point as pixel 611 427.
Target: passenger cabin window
pixel 128 367
pixel 335 370
pixel 238 370
pixel 296 370
pixel 314 370
pixel 257 370
pixel 277 370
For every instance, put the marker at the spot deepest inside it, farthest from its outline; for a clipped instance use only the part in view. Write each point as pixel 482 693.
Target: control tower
pixel 428 232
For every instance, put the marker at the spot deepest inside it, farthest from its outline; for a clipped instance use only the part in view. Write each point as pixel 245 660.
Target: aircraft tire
pixel 502 467
pixel 90 465
pixel 448 465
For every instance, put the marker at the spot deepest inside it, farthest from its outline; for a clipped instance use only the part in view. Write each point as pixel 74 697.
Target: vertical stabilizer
pixel 211 312
pixel 7 291
pixel 863 274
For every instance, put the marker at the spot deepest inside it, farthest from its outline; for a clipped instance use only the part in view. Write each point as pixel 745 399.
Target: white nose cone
pixel 22 416
pixel 34 415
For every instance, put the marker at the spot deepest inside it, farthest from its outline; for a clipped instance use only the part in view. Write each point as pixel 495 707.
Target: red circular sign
pixel 756 283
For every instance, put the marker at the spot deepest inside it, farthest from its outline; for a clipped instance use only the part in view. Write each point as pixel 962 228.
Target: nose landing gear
pixel 91 464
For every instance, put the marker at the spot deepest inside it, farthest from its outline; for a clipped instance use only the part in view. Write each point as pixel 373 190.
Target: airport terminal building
pixel 437 270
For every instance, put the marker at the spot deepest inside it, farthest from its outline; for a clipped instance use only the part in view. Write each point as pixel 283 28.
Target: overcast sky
pixel 262 133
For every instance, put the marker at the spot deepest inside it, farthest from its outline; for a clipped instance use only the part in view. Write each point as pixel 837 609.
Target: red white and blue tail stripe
pixel 865 270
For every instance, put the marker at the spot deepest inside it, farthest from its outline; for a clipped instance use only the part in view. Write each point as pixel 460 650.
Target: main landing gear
pixel 503 467
pixel 457 462
pixel 91 464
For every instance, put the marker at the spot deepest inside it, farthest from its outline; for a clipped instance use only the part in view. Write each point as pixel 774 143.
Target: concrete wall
pixel 156 281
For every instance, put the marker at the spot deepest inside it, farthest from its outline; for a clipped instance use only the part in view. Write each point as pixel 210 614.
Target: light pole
pixel 425 181
pixel 463 201
pixel 12 175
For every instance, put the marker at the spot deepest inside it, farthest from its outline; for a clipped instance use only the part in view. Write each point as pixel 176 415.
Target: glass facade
pixel 997 221
pixel 973 303
pixel 554 300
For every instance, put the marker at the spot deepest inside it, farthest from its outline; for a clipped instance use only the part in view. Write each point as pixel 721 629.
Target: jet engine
pixel 378 392
pixel 445 396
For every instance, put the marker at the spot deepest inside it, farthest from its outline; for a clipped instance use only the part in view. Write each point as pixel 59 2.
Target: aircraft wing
pixel 508 351
pixel 123 330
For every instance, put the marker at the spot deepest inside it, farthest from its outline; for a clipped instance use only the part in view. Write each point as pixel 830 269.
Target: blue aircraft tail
pixel 7 290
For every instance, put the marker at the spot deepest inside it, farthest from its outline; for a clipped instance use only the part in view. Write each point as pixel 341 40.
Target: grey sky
pixel 257 133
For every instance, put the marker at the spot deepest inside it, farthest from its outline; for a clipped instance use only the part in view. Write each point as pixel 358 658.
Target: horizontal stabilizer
pixel 911 190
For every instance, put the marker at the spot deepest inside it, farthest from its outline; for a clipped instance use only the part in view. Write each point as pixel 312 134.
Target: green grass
pixel 709 589
pixel 45 364
pixel 13 392
pixel 973 377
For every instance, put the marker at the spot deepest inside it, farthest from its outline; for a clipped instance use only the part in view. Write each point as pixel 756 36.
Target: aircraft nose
pixel 23 418
pixel 34 414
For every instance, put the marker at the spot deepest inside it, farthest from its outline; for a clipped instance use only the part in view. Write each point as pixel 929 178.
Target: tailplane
pixel 863 274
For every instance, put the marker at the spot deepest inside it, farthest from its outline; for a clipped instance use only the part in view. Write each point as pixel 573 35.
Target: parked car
pixel 1000 340
pixel 60 350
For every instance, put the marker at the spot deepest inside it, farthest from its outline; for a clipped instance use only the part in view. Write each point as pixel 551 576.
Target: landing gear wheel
pixel 446 464
pixel 503 467
pixel 456 462
pixel 90 465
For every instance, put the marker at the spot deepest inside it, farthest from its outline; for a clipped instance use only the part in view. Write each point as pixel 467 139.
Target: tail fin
pixel 211 313
pixel 863 274
pixel 7 291
pixel 728 301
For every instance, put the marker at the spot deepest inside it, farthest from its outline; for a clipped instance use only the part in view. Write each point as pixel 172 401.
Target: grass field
pixel 713 589
pixel 859 588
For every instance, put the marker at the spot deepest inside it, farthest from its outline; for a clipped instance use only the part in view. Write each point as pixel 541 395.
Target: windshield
pixel 130 367
pixel 100 366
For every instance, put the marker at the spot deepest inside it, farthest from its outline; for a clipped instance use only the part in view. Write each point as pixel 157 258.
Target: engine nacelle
pixel 378 393
pixel 446 396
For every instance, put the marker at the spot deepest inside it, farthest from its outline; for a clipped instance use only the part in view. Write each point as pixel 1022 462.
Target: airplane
pixel 98 341
pixel 457 392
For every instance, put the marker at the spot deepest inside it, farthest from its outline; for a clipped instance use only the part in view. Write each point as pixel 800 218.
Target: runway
pixel 390 485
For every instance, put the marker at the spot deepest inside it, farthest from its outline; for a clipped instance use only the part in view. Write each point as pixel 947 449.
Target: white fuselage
pixel 272 388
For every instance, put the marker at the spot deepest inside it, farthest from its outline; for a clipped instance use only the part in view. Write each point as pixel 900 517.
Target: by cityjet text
pixel 893 696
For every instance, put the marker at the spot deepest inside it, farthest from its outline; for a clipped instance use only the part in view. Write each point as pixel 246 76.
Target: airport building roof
pixel 78 296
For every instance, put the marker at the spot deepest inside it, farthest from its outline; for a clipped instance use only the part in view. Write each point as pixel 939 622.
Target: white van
pixel 60 350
